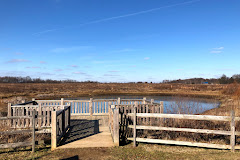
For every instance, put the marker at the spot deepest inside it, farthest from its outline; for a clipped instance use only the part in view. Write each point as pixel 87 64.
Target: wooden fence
pixel 33 118
pixel 60 125
pixel 119 121
pixel 42 110
pixel 91 106
pixel 136 115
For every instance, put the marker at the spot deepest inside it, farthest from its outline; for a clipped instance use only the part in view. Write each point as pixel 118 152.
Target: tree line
pixel 222 80
pixel 28 79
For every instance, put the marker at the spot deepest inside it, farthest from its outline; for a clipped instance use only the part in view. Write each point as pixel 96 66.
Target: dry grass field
pixel 15 92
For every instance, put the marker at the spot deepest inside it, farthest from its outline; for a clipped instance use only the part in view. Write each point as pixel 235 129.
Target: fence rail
pixel 232 119
pixel 92 106
pixel 43 111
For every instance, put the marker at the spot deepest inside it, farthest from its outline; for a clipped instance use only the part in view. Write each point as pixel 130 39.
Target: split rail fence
pixel 135 115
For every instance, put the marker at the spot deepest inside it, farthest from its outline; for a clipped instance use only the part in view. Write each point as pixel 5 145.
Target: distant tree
pixel 223 79
pixel 236 77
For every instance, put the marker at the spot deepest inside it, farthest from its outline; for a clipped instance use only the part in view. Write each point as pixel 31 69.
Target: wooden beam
pixel 183 143
pixel 183 116
pixel 116 126
pixel 91 106
pixel 33 130
pixel 182 129
pixel 134 124
pixel 54 130
pixel 232 139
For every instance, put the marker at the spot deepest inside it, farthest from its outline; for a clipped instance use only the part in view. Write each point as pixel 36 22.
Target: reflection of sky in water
pixel 173 104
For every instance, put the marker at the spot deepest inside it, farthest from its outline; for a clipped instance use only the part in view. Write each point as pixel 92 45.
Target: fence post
pixel 54 130
pixel 62 99
pixel 69 116
pixel 9 113
pixel 144 100
pixel 40 113
pixel 33 130
pixel 152 100
pixel 134 126
pixel 119 100
pixel 116 126
pixel 232 131
pixel 91 106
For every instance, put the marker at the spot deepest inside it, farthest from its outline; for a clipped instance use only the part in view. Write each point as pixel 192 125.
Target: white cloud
pixel 58 70
pixel 217 50
pixel 146 58
pixel 17 60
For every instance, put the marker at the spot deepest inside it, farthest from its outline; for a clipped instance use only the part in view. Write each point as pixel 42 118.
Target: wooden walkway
pixel 87 133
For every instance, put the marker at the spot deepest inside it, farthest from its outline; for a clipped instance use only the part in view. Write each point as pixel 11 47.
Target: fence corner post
pixel 9 110
pixel 232 141
pixel 54 130
pixel 33 130
pixel 91 106
pixel 116 126
pixel 9 113
pixel 134 126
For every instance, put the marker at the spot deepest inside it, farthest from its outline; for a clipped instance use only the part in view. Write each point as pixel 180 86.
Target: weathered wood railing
pixel 42 110
pixel 135 115
pixel 33 118
pixel 91 106
pixel 60 125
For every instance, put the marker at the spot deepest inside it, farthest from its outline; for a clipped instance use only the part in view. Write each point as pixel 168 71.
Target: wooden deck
pixel 87 133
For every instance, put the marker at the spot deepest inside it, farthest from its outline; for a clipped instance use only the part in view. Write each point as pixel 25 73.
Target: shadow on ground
pixel 80 129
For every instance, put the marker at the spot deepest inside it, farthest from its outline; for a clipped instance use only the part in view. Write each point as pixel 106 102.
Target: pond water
pixel 173 104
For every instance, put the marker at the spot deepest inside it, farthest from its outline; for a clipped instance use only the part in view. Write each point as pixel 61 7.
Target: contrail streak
pixel 118 17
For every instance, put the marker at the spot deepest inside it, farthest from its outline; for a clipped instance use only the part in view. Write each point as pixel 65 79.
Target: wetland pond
pixel 173 104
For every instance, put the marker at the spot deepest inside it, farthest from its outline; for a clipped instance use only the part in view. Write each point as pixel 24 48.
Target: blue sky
pixel 119 40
